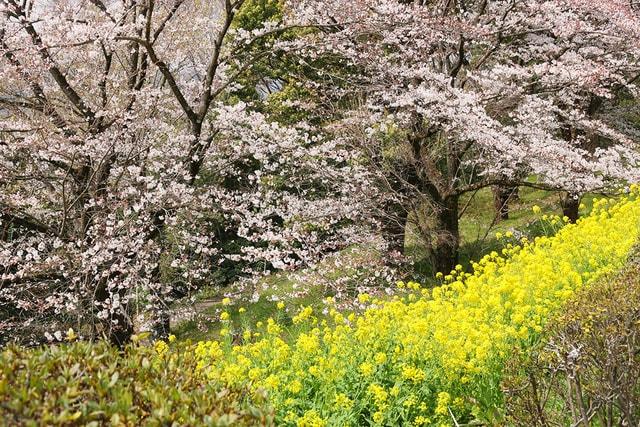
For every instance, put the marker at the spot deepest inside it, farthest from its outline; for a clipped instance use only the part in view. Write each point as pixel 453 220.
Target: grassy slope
pixel 477 232
pixel 479 216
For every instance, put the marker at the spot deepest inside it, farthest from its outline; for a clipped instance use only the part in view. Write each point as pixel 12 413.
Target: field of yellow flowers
pixel 429 357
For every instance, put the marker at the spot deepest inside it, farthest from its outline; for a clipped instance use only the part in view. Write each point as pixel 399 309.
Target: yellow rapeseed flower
pixel 454 338
pixel 311 419
pixel 366 369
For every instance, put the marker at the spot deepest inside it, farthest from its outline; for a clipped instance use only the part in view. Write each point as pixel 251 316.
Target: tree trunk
pixel 445 248
pixel 161 318
pixel 570 206
pixel 501 202
pixel 161 326
pixel 502 196
pixel 120 333
pixel 117 326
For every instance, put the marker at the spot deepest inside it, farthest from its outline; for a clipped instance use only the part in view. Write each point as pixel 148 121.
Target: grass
pixel 479 217
pixel 478 225
pixel 207 322
pixel 297 289
pixel 478 230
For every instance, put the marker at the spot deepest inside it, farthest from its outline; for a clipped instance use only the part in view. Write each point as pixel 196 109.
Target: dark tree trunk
pixel 445 248
pixel 501 202
pixel 120 333
pixel 161 324
pixel 502 196
pixel 161 319
pixel 117 327
pixel 4 232
pixel 570 206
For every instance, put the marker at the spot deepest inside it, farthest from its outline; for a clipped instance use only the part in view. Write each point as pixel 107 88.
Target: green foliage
pixel 92 384
pixel 587 366
pixel 276 81
pixel 282 104
pixel 254 13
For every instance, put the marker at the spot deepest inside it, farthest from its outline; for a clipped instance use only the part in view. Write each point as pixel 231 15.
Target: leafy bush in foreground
pixel 433 356
pixel 587 369
pixel 92 384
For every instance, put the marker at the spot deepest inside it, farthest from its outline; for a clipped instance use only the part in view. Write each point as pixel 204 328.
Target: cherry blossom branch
pixel 100 5
pixel 55 72
pixel 166 19
pixel 164 69
pixel 213 62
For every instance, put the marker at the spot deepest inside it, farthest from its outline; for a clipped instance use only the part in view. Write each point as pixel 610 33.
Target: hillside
pixel 427 356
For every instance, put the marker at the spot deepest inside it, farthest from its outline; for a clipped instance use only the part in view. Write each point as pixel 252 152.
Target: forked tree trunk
pixel 445 248
pixel 570 206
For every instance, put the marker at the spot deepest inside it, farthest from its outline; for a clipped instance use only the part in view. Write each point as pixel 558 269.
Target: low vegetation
pixel 587 367
pixel 433 356
pixel 428 356
pixel 93 384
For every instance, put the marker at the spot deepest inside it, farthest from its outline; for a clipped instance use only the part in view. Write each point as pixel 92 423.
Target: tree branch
pixel 100 5
pixel 55 72
pixel 24 220
pixel 43 105
pixel 213 63
pixel 164 69
pixel 166 19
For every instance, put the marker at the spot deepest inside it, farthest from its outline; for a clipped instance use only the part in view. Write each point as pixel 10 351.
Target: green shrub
pixel 92 384
pixel 586 372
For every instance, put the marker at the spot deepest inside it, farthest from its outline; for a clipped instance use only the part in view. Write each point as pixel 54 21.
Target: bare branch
pixel 166 72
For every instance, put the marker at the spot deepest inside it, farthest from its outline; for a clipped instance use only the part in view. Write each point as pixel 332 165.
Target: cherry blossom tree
pixel 125 159
pixel 447 97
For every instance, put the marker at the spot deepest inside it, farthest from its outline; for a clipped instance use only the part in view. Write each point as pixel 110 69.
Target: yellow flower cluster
pixel 434 353
pixel 161 347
